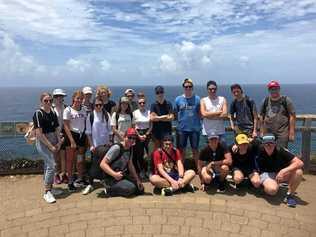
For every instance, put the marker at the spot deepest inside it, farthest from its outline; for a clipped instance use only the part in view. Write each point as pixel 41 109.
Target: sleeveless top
pixel 213 125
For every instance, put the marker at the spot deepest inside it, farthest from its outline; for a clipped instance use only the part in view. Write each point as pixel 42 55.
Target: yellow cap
pixel 242 139
pixel 187 80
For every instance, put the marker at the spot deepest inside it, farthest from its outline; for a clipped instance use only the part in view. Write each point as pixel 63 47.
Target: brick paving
pixel 23 212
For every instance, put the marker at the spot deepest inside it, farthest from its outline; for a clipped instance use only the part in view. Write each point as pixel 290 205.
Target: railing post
pixel 306 143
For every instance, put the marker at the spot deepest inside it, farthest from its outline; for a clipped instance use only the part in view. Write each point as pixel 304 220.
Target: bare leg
pixel 295 180
pixel 188 176
pixel 158 181
pixel 255 179
pixel 238 176
pixel 270 186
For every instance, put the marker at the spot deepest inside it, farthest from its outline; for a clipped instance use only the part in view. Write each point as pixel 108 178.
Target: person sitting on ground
pixel 214 162
pixel 277 165
pixel 121 178
pixel 244 165
pixel 169 173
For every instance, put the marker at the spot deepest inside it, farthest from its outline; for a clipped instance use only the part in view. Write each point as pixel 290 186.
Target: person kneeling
pixel 168 173
pixel 214 162
pixel 116 162
pixel 277 165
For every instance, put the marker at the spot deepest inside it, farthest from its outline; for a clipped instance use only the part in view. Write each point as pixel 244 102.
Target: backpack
pixel 30 135
pixel 248 103
pixel 267 101
pixel 92 117
pixel 112 163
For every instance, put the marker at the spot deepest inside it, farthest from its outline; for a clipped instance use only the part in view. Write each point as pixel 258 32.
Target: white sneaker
pixel 87 189
pixel 49 197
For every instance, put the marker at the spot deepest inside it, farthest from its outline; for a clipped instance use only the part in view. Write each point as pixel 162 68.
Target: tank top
pixel 213 125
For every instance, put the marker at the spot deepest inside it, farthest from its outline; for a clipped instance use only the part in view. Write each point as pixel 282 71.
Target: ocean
pixel 19 104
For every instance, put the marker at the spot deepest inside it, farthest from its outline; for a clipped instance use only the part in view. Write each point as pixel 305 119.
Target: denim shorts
pixel 267 175
pixel 194 138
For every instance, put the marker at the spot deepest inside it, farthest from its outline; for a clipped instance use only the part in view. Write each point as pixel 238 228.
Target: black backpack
pixel 266 102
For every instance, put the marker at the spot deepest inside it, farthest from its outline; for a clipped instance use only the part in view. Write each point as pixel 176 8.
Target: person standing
pixel 105 93
pixel 277 115
pixel 60 156
pixel 213 112
pixel 48 141
pixel 243 113
pixel 187 109
pixel 130 94
pixel 87 96
pixel 161 114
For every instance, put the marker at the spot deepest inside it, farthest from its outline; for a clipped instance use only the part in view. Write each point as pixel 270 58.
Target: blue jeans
pixel 48 157
pixel 122 188
pixel 193 136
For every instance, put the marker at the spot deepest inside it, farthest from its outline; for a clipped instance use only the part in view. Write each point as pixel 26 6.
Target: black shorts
pixel 246 172
pixel 80 139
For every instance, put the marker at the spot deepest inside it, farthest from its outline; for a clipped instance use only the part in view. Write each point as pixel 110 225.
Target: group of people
pixel 118 136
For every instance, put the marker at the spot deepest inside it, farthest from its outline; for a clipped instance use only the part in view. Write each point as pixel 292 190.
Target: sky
pixel 142 42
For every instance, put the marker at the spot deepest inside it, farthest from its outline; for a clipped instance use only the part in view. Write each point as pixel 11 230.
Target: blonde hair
pixel 103 88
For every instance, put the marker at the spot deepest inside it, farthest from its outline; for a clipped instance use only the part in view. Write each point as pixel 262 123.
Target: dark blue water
pixel 18 104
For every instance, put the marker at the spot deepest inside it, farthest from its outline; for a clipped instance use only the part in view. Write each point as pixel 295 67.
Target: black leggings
pixel 139 151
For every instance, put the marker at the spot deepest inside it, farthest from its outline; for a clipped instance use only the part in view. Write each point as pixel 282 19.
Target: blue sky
pixel 135 42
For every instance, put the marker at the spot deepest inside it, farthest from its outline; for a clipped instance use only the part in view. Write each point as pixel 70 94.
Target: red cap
pixel 273 84
pixel 131 132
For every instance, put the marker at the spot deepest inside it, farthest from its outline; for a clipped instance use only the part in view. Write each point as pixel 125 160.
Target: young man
pixel 116 162
pixel 243 113
pixel 169 174
pixel 187 108
pixel 214 162
pixel 244 164
pixel 277 115
pixel 213 112
pixel 161 114
pixel 130 94
pixel 278 165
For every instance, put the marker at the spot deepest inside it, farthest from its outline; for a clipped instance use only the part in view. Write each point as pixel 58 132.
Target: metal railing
pixel 13 145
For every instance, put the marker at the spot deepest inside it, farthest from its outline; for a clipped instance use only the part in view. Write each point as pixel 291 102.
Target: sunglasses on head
pixel 46 101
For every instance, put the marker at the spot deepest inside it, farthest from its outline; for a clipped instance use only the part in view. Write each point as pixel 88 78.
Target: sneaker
pixel 49 197
pixel 64 179
pixel 87 189
pixel 71 187
pixel 290 200
pixel 80 182
pixel 221 187
pixel 189 188
pixel 166 192
pixel 57 179
pixel 106 193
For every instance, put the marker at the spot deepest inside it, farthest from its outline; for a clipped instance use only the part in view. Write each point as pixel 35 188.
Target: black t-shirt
pixel 48 122
pixel 161 127
pixel 108 106
pixel 247 161
pixel 207 154
pixel 279 159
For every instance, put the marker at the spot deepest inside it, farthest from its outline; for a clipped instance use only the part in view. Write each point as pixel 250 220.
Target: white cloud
pixel 105 65
pixel 167 63
pixel 78 65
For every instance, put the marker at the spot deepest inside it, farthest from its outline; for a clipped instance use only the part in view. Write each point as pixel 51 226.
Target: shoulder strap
pixel 284 103
pixel 120 153
pixel 91 118
pixel 250 106
pixel 117 115
pixel 264 107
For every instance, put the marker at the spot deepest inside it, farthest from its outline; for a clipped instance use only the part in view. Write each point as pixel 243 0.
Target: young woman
pixel 143 126
pixel 98 130
pixel 60 157
pixel 122 119
pixel 48 141
pixel 87 96
pixel 105 94
pixel 74 125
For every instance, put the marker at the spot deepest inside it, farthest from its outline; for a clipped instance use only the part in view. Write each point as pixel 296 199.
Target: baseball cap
pixel 129 91
pixel 59 92
pixel 131 132
pixel 268 138
pixel 273 84
pixel 242 139
pixel 124 99
pixel 159 89
pixel 87 90
pixel 212 135
pixel 187 80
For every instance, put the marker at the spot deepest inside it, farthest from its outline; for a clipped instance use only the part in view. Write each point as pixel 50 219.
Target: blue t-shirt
pixel 188 113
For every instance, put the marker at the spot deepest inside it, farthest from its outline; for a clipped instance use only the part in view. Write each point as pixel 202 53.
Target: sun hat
pixel 59 92
pixel 87 90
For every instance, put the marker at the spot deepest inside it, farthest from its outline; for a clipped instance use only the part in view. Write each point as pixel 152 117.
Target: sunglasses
pixel 131 138
pixel 269 144
pixel 141 103
pixel 159 92
pixel 188 87
pixel 48 101
pixel 98 105
pixel 212 88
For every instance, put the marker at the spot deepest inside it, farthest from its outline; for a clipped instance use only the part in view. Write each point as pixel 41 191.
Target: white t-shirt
pixel 141 119
pixel 60 114
pixel 76 118
pixel 213 125
pixel 124 122
pixel 100 130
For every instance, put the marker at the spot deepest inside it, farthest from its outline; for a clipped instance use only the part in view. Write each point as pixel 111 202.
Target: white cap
pixel 59 92
pixel 87 90
pixel 127 91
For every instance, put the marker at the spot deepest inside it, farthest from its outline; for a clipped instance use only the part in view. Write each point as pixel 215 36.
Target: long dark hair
pixel 104 112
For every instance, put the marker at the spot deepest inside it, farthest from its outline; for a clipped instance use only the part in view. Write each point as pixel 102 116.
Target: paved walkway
pixel 24 213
